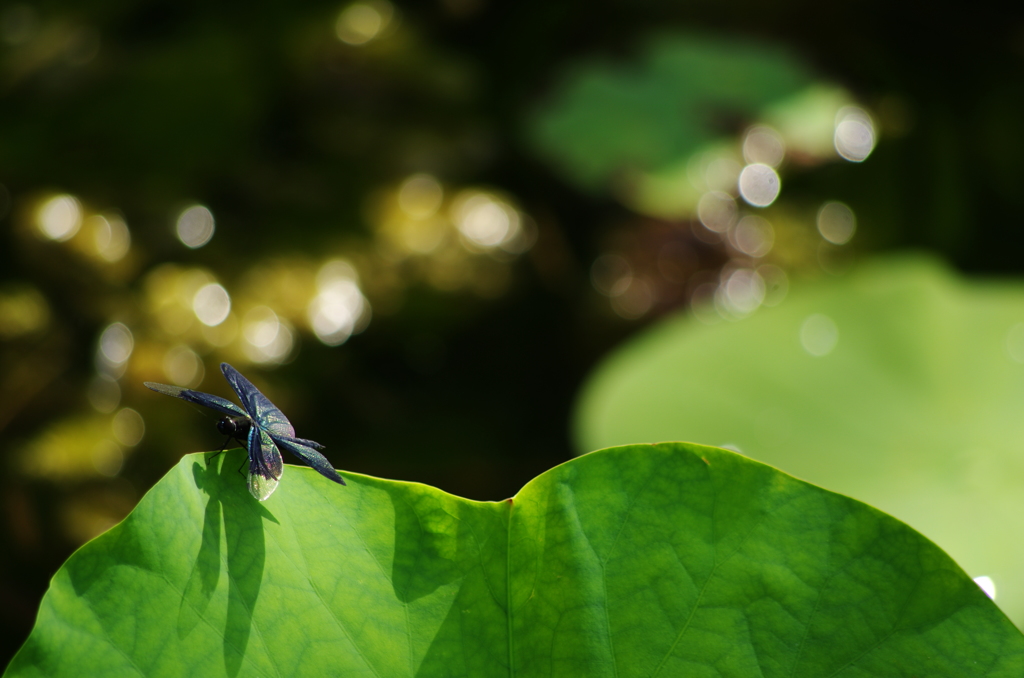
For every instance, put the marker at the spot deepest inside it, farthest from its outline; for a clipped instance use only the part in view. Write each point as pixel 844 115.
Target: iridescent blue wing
pixel 259 407
pixel 199 398
pixel 306 451
pixel 265 467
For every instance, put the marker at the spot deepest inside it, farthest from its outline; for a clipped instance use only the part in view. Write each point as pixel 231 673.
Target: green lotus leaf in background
pixel 663 560
pixel 604 117
pixel 900 384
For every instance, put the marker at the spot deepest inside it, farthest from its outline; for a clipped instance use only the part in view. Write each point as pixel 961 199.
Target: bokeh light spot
pixel 23 310
pixel 717 211
pixel 211 304
pixel 116 344
pixel 268 339
pixel 183 366
pixel 776 283
pixel 334 270
pixel 361 22
pixel 59 218
pixel 855 134
pixel 420 196
pixel 836 223
pixel 741 293
pixel 819 335
pixel 759 184
pixel 485 220
pixel 260 326
pixel 753 236
pixel 339 308
pixel 763 145
pixel 128 427
pixel 111 238
pixel 195 226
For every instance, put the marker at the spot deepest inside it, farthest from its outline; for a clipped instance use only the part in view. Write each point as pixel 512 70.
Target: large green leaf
pixel 663 560
pixel 915 410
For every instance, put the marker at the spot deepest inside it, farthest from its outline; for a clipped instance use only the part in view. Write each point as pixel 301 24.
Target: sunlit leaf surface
pixel 899 384
pixel 644 560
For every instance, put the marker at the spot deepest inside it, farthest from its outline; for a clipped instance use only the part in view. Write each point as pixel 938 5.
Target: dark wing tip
pixel 175 391
pixel 311 443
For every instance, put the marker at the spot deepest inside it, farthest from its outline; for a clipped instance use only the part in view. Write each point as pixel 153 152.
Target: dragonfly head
pixel 236 427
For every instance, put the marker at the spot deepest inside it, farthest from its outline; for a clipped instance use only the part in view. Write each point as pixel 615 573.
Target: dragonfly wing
pixel 199 398
pixel 308 443
pixel 265 466
pixel 261 487
pixel 259 407
pixel 303 450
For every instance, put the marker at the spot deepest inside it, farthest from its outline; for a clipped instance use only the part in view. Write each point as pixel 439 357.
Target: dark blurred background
pixel 417 226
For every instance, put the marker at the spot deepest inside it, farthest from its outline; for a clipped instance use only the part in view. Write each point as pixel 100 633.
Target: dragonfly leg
pixel 219 452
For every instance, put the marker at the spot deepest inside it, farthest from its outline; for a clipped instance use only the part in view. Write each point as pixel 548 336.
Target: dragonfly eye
pixel 232 426
pixel 226 426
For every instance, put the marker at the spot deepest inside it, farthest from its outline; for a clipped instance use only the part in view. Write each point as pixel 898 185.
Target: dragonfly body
pixel 261 427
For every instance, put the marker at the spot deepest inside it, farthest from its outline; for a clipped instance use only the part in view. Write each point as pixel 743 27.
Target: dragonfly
pixel 261 427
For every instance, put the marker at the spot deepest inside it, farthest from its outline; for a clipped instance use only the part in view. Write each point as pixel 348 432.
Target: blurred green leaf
pixel 637 561
pixel 684 92
pixel 915 410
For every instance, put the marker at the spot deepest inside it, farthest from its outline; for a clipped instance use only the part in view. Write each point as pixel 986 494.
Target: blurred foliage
pixel 899 384
pixel 377 210
pixel 597 567
pixel 687 91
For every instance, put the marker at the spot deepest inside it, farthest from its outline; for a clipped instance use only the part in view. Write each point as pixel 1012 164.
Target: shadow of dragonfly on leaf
pixel 230 512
